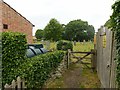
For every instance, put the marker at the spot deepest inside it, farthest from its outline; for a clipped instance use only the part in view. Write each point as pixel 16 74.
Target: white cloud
pixel 39 12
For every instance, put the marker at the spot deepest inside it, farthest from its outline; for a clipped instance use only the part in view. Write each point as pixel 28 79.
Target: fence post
pixel 6 86
pixel 13 84
pixel 65 60
pixel 68 58
pixel 93 59
pixel 18 82
pixel 23 83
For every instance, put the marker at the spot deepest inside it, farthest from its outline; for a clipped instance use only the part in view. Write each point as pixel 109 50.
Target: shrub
pixel 64 45
pixel 36 70
pixel 13 54
pixel 59 45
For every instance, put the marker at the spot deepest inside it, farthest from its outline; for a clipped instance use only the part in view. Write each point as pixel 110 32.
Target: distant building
pixel 14 21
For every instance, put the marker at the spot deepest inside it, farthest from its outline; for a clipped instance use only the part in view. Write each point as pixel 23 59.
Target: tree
pixel 79 30
pixel 39 34
pixel 53 31
pixel 108 23
pixel 90 32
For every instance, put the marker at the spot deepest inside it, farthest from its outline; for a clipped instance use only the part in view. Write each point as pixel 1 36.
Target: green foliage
pixel 115 25
pixel 53 31
pixel 64 45
pixel 36 70
pixel 79 30
pixel 13 54
pixel 108 23
pixel 39 34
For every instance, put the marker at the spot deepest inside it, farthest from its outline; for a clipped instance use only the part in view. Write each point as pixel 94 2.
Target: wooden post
pixel 6 86
pixel 19 82
pixel 68 58
pixel 93 59
pixel 13 85
pixel 23 83
pixel 64 60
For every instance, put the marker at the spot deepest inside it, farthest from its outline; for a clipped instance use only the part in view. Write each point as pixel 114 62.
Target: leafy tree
pixel 63 32
pixel 39 34
pixel 108 23
pixel 90 32
pixel 79 30
pixel 53 31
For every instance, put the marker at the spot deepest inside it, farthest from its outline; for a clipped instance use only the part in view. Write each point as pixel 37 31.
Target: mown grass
pixel 80 46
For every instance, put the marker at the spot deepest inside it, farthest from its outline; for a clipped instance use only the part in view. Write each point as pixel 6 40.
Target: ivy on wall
pixel 115 25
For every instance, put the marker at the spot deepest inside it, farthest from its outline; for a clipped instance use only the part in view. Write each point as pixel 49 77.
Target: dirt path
pixel 77 76
pixel 71 78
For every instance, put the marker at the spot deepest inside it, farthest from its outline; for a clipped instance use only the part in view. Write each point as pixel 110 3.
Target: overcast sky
pixel 39 12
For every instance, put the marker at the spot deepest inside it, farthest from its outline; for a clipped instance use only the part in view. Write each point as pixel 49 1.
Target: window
pixel 5 26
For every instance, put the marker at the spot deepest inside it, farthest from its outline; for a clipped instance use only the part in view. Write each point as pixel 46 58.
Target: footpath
pixel 77 76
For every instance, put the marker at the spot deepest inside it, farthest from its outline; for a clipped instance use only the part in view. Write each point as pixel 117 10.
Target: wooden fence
pixel 82 56
pixel 19 84
pixel 106 65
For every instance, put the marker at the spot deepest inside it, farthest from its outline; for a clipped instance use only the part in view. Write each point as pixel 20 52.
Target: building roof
pixel 18 13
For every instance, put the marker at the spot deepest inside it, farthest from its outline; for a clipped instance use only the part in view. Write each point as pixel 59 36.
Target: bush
pixel 64 45
pixel 36 70
pixel 13 54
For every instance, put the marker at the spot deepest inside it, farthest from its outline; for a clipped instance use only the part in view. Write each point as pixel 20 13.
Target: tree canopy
pixel 79 30
pixel 108 23
pixel 39 34
pixel 75 30
pixel 53 30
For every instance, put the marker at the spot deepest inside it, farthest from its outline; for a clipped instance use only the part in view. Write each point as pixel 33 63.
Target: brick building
pixel 14 21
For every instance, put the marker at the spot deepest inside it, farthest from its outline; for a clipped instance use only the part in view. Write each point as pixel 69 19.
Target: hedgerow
pixel 115 25
pixel 13 54
pixel 64 45
pixel 37 69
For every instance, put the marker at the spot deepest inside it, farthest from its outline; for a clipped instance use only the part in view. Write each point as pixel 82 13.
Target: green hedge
pixel 115 25
pixel 13 54
pixel 37 69
pixel 64 45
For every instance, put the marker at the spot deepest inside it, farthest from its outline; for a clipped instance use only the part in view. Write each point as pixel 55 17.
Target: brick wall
pixel 16 22
pixel 0 16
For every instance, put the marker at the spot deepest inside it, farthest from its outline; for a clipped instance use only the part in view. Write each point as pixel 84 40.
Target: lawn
pixel 80 46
